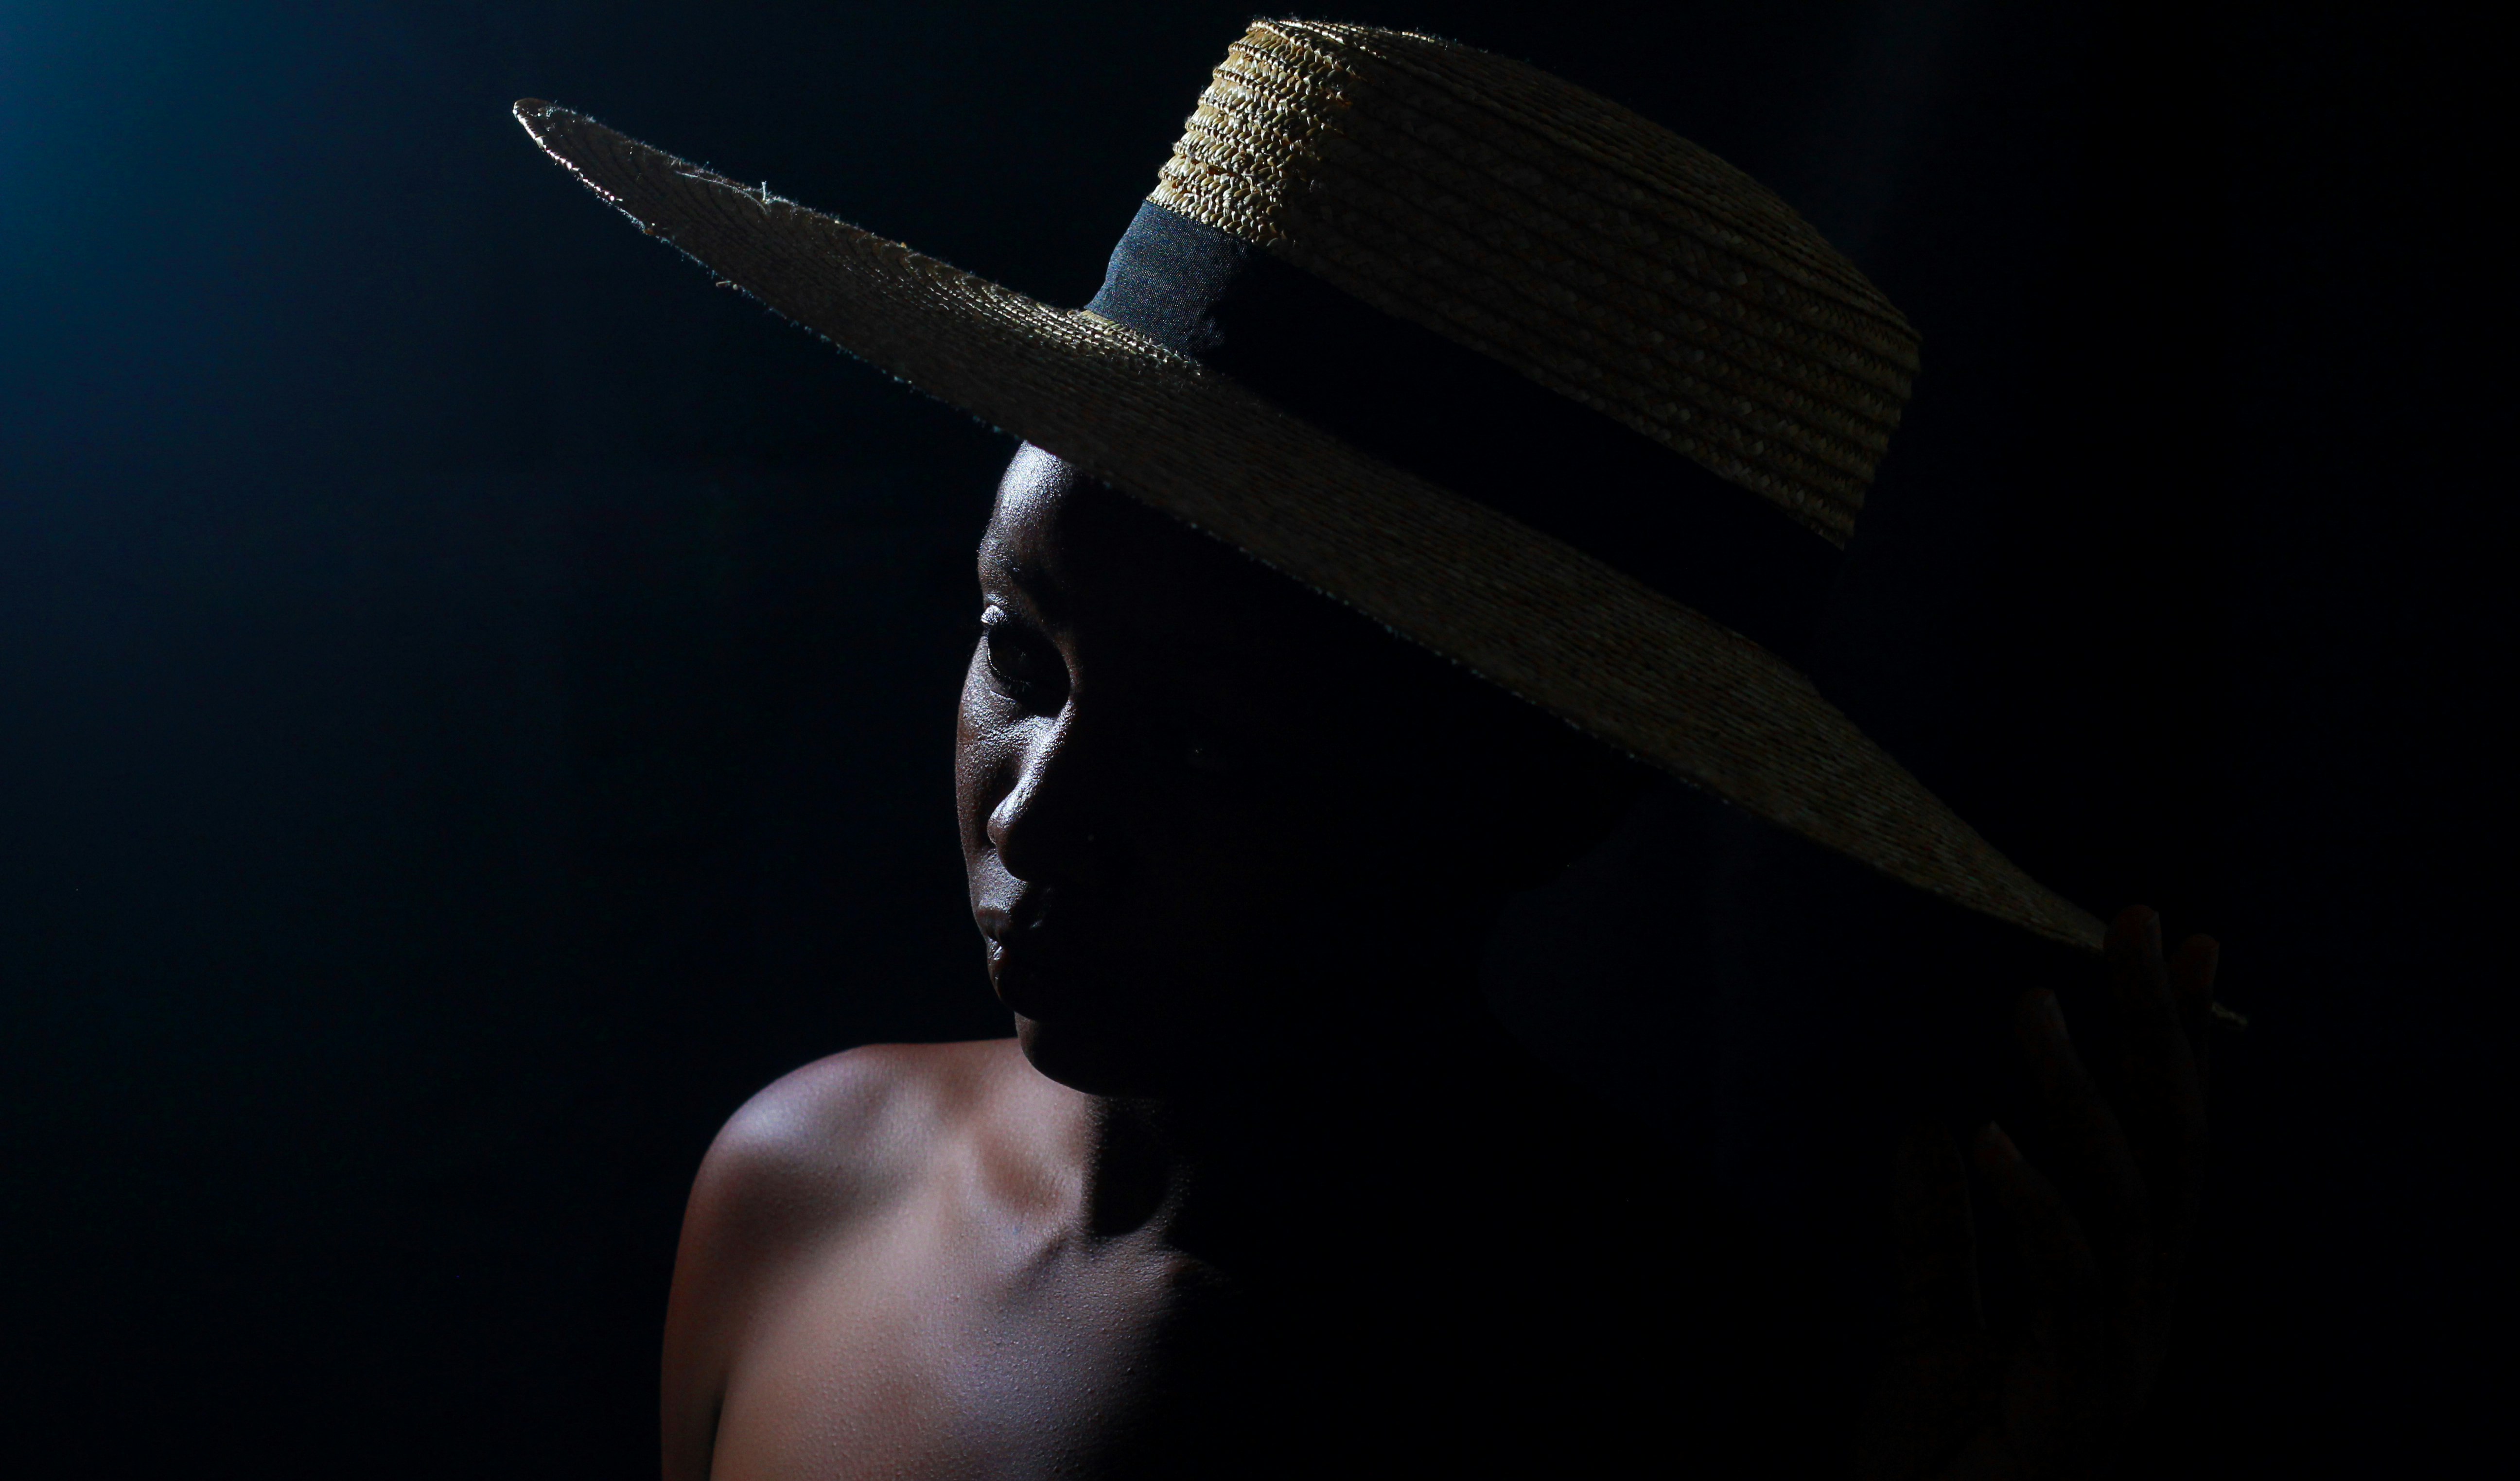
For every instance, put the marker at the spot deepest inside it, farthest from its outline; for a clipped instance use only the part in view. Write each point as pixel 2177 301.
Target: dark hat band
pixel 1451 414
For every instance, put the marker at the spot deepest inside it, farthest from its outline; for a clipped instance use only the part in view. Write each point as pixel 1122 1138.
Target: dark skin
pixel 1259 1187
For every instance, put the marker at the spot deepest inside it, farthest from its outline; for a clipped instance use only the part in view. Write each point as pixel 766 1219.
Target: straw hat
pixel 1371 250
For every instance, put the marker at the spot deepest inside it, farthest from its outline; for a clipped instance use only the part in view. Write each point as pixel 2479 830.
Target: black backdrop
pixel 475 701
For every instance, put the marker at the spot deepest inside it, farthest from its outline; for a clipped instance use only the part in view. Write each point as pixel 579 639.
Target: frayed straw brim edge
pixel 1542 620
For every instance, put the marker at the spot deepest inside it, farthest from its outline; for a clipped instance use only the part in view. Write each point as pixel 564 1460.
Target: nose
pixel 1049 829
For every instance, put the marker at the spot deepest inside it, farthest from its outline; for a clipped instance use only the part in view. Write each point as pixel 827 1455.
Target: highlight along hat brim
pixel 1609 655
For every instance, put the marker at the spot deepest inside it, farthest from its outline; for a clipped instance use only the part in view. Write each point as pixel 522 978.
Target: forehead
pixel 1164 615
pixel 1075 554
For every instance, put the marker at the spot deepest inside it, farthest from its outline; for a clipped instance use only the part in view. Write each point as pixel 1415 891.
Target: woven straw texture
pixel 1565 631
pixel 1596 251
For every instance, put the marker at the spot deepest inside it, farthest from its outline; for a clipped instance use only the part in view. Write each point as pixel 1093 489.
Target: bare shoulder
pixel 819 1153
pixel 838 1142
pixel 844 1134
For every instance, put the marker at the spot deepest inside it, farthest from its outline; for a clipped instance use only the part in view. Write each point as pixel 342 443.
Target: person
pixel 1541 408
pixel 1260 1187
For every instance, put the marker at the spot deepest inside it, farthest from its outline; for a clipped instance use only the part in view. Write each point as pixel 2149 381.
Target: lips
pixel 1030 981
pixel 1024 965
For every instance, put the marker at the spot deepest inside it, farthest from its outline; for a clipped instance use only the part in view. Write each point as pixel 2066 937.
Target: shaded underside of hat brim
pixel 1539 618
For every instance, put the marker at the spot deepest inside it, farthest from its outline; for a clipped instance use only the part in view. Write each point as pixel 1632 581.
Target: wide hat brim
pixel 1610 655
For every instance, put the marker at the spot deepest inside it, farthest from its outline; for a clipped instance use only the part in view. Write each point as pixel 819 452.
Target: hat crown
pixel 1584 245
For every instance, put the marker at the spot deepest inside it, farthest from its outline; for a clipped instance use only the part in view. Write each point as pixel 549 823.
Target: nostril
pixel 1042 827
pixel 1048 846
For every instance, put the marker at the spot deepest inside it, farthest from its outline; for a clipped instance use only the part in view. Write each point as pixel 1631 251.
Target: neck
pixel 1265 1170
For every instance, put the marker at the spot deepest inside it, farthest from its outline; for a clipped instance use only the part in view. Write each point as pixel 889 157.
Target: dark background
pixel 474 702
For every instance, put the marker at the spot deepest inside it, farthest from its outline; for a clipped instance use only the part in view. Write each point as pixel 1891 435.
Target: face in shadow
pixel 1220 830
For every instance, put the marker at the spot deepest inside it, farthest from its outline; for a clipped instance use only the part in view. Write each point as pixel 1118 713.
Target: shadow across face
pixel 1217 827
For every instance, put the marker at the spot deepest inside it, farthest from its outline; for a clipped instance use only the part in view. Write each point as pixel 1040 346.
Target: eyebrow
pixel 1039 590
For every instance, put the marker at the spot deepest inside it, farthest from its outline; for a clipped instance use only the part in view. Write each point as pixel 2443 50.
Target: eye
pixel 1023 668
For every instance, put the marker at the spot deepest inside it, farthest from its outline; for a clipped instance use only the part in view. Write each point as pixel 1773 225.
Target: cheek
pixel 1332 866
pixel 1253 867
